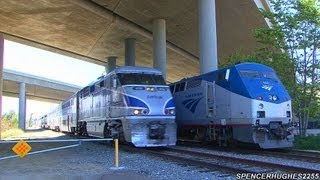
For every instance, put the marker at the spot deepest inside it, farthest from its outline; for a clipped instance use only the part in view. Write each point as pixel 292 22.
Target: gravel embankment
pixel 93 161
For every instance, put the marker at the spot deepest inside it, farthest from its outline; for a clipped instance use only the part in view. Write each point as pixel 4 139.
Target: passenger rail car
pixel 242 103
pixel 131 103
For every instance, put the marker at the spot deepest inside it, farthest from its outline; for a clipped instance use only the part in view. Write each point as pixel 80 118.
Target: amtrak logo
pixel 191 104
pixel 267 87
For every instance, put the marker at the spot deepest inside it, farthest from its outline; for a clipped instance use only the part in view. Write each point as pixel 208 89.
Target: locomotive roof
pixel 251 65
pixel 244 65
pixel 137 69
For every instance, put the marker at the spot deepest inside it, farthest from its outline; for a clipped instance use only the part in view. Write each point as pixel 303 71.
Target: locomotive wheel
pixel 200 134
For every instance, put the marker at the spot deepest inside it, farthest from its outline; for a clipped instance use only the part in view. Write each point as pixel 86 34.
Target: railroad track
pixel 264 164
pixel 306 156
pixel 227 164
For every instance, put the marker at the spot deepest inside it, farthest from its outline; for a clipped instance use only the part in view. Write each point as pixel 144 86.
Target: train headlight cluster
pixel 273 97
pixel 140 111
pixel 170 111
pixel 151 89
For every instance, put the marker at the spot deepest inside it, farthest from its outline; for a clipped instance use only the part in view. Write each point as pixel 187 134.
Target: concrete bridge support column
pixel 22 106
pixel 130 52
pixel 159 46
pixel 1 72
pixel 111 64
pixel 207 36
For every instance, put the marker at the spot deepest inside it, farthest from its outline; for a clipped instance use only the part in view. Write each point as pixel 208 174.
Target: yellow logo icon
pixel 21 148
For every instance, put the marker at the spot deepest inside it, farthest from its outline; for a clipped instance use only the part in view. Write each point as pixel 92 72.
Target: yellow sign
pixel 21 148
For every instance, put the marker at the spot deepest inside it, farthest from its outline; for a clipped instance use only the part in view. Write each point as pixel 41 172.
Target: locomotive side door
pixel 222 90
pixel 106 97
pixel 210 99
pixel 115 97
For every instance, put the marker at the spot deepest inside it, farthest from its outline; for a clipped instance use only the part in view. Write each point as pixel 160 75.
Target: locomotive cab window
pixel 143 79
pixel 180 87
pixel 269 75
pixel 172 88
pixel 249 74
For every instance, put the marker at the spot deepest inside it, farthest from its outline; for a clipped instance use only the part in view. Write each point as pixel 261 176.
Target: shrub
pixel 307 143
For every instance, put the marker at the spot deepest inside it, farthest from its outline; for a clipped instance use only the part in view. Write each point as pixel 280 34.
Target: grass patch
pixel 10 133
pixel 307 143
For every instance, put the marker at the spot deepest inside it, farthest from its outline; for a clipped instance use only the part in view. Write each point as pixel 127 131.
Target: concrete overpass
pixel 36 88
pixel 22 85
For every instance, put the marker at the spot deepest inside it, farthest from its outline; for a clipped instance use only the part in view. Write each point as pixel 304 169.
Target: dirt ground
pixel 72 163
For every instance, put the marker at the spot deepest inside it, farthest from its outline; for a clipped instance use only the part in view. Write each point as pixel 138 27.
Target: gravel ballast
pixel 93 161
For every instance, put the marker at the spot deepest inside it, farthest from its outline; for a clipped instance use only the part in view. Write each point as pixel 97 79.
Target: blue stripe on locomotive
pixel 134 102
pixel 250 87
pixel 170 104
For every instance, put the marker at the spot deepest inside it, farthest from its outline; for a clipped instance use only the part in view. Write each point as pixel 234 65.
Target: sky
pixel 30 60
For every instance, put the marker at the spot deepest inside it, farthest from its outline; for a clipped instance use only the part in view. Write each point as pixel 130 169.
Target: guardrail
pixel 116 159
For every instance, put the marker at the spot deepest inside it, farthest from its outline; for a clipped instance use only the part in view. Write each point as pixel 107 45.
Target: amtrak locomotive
pixel 242 103
pixel 131 103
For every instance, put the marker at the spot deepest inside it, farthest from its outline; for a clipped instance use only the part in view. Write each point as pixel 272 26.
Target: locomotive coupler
pixel 156 130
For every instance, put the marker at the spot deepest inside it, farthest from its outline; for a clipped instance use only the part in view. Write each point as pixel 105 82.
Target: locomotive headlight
pixel 260 106
pixel 170 111
pixel 136 111
pixel 151 89
pixel 274 98
pixel 140 111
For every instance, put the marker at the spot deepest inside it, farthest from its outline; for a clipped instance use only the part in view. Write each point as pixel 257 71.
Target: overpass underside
pixel 92 30
pixel 11 89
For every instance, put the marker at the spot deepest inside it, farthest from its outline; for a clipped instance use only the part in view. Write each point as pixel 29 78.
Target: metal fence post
pixel 116 155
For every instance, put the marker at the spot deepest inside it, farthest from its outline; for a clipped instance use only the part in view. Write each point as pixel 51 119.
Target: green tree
pixel 12 118
pixel 291 46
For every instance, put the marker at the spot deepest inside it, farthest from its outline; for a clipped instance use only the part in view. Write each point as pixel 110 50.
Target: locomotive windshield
pixel 269 75
pixel 249 74
pixel 145 79
pixel 257 74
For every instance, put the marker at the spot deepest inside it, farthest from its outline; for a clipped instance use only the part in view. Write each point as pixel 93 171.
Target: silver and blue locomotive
pixel 133 104
pixel 243 103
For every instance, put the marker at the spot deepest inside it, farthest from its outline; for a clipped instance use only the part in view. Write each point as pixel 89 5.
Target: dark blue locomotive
pixel 131 103
pixel 242 103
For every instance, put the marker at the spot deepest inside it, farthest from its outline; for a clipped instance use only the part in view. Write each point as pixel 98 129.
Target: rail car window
pixel 221 76
pixel 92 88
pixel 101 84
pixel 85 92
pixel 249 74
pixel 66 104
pixel 146 79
